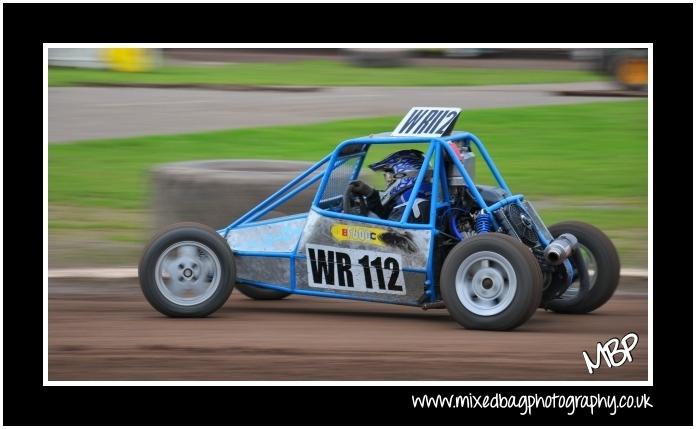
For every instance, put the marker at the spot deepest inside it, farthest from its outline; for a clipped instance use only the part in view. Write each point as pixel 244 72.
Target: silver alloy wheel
pixel 591 264
pixel 188 273
pixel 485 283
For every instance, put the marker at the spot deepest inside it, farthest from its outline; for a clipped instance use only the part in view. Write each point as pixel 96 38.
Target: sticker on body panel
pixel 359 234
pixel 354 270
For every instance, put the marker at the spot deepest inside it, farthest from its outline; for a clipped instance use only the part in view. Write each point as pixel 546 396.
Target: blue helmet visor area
pixel 409 156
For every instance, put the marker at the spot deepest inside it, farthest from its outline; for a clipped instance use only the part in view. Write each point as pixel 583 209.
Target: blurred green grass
pixel 581 161
pixel 596 150
pixel 318 73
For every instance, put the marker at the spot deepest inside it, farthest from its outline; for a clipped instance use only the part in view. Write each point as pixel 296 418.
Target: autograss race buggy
pixel 484 253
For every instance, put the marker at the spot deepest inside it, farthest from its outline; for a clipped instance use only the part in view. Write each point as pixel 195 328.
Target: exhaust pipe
pixel 560 249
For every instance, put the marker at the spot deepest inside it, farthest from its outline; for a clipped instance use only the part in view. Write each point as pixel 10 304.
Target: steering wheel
pixel 349 202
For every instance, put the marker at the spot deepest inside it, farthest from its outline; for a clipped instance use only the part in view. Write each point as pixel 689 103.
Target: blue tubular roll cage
pixel 440 198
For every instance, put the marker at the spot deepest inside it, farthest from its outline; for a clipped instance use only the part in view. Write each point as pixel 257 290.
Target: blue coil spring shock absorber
pixel 454 228
pixel 483 223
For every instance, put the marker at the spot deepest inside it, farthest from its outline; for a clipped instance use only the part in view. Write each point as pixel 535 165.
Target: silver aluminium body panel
pixel 360 260
pixel 359 251
pixel 265 239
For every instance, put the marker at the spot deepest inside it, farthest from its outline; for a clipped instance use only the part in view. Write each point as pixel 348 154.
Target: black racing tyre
pixel 187 270
pixel 492 282
pixel 602 261
pixel 260 293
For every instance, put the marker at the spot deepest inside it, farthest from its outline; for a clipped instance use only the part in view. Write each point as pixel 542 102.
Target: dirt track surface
pixel 105 330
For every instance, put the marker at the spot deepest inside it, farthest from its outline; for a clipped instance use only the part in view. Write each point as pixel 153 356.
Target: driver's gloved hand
pixel 361 188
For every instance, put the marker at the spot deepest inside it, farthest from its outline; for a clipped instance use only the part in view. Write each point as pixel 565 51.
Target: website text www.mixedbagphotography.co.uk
pixel 526 403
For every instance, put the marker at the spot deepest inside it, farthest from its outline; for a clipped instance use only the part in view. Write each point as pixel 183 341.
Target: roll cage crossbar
pixel 438 147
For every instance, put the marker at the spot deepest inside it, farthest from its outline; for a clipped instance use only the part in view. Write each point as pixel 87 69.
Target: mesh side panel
pixel 339 179
pixel 537 220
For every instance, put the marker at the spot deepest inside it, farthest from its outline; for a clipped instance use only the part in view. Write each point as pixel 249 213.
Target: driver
pixel 400 172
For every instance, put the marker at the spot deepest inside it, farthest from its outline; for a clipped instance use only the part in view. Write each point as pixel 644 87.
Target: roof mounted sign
pixel 427 122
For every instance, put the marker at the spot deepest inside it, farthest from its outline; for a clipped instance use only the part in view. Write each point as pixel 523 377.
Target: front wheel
pixel 187 270
pixel 603 267
pixel 491 282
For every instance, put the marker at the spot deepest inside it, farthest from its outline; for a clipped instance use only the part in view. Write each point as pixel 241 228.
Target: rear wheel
pixel 603 266
pixel 261 293
pixel 187 270
pixel 492 282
